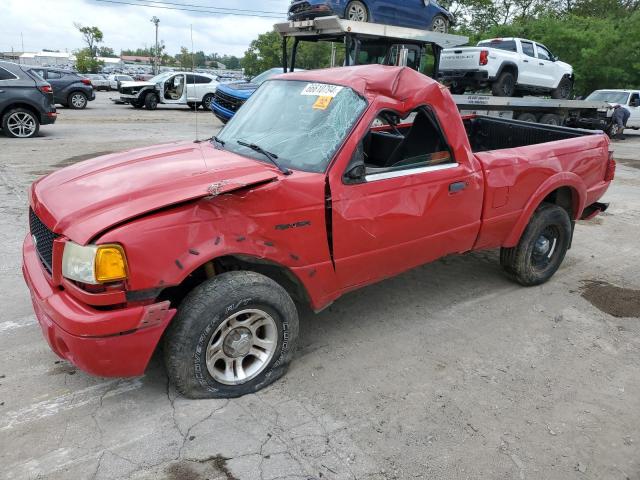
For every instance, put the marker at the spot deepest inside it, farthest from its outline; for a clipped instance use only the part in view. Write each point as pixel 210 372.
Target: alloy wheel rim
pixel 439 25
pixel 78 100
pixel 21 124
pixel 241 347
pixel 357 13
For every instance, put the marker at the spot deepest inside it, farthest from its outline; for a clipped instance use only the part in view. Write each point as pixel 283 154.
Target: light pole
pixel 156 21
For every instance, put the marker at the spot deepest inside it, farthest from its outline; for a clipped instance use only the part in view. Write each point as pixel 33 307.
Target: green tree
pixel 87 63
pixel 92 36
pixel 106 52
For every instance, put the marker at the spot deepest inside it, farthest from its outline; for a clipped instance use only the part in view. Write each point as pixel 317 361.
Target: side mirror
pixel 356 171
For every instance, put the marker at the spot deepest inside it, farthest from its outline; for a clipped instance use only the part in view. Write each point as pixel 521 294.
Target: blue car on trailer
pixel 422 14
pixel 229 97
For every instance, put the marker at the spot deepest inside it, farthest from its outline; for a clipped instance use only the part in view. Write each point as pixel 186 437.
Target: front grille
pixel 43 239
pixel 227 101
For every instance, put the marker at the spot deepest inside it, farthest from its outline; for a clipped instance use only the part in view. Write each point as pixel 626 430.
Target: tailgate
pixel 460 58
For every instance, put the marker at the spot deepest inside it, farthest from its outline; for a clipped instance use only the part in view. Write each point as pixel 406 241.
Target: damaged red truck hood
pixel 89 197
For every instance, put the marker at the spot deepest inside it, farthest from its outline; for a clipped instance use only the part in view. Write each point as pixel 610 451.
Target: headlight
pixel 94 264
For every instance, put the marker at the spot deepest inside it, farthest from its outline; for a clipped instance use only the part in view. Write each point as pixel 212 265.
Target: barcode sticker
pixel 321 90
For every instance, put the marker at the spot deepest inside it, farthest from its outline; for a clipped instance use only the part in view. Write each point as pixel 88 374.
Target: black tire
pixel 151 101
pixel 207 100
pixel 439 24
pixel 204 310
pixel 613 130
pixel 527 117
pixel 457 89
pixel 505 85
pixel 20 123
pixel 77 101
pixel 551 119
pixel 541 248
pixel 564 89
pixel 356 11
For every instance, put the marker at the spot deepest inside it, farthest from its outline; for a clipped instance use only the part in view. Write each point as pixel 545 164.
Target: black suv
pixel 69 89
pixel 26 101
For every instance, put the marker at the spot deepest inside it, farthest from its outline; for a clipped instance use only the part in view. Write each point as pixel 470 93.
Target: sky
pixel 49 24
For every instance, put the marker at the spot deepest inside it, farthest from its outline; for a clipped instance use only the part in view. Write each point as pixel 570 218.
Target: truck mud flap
pixel 593 210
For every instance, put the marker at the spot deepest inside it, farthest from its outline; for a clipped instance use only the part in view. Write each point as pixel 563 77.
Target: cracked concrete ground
pixel 448 371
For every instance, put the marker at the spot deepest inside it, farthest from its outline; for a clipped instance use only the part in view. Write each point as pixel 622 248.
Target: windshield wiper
pixel 273 158
pixel 217 141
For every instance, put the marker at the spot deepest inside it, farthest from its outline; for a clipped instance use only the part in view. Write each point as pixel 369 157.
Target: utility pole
pixel 156 62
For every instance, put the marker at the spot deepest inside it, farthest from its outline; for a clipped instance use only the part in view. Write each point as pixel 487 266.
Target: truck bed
pixel 492 133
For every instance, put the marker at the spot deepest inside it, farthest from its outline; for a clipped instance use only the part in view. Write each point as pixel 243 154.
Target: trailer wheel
pixel 527 117
pixel 151 101
pixel 505 85
pixel 564 89
pixel 541 248
pixel 234 334
pixel 457 89
pixel 551 119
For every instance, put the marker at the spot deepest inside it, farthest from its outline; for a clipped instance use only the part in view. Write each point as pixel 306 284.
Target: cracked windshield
pixel 301 123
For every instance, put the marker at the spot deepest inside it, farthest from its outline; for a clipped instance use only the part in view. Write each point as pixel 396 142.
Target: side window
pixel 415 142
pixel 527 49
pixel 53 75
pixel 201 79
pixel 635 100
pixel 6 75
pixel 39 73
pixel 543 53
pixel 507 45
pixel 191 79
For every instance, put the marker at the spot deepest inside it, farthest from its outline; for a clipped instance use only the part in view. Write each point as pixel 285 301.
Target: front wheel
pixel 564 90
pixel 541 248
pixel 151 101
pixel 357 11
pixel 234 334
pixel 439 24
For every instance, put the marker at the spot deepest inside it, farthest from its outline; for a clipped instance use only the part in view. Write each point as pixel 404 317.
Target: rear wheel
pixel 564 89
pixel 541 248
pixel 207 100
pixel 439 24
pixel 77 100
pixel 234 334
pixel 357 12
pixel 505 85
pixel 457 89
pixel 20 123
pixel 151 101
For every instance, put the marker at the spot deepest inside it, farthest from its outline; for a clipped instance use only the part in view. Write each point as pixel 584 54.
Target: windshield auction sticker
pixel 322 103
pixel 321 90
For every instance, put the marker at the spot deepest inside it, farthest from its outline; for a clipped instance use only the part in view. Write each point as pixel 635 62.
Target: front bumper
pixel 306 11
pixel 48 118
pixel 222 113
pixel 107 343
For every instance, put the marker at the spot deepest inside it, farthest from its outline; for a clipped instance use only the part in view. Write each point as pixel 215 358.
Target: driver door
pixel 174 89
pixel 634 108
pixel 546 68
pixel 412 206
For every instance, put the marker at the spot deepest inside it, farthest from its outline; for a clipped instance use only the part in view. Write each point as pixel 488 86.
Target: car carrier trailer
pixel 420 50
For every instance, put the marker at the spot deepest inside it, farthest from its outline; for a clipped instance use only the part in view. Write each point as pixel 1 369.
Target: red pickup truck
pixel 325 181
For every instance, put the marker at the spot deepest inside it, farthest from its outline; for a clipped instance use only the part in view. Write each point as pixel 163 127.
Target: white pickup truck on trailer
pixel 509 66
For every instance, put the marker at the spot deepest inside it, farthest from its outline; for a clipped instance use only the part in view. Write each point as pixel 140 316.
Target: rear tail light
pixel 86 81
pixel 611 169
pixel 484 57
pixel 45 88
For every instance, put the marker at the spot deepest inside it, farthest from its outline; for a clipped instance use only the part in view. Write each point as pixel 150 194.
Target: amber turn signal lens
pixel 110 263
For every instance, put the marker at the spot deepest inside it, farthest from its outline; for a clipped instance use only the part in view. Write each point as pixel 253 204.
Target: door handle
pixel 541 64
pixel 1 91
pixel 525 61
pixel 457 187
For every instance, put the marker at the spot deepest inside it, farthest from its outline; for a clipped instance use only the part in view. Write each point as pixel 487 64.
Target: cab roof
pixel 398 83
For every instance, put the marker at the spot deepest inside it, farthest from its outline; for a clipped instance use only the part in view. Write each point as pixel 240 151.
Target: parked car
pixel 115 81
pixel 99 81
pixel 26 101
pixel 629 99
pixel 230 96
pixel 508 66
pixel 172 88
pixel 422 14
pixel 69 88
pixel 324 182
